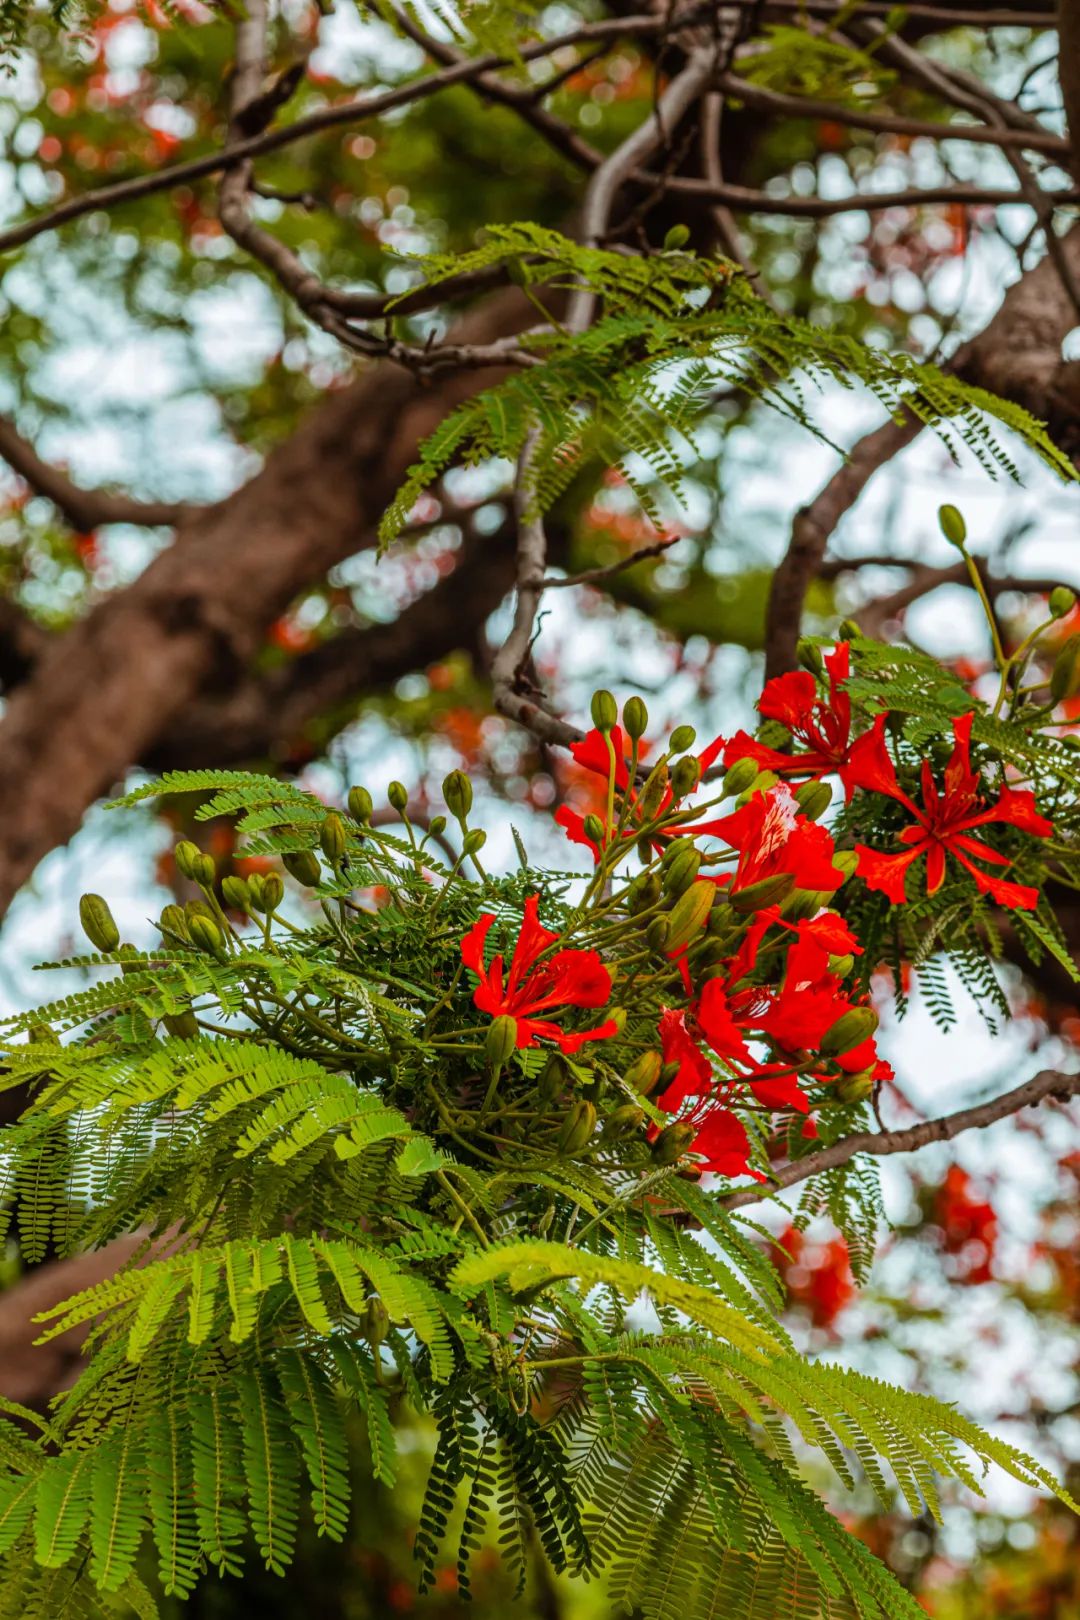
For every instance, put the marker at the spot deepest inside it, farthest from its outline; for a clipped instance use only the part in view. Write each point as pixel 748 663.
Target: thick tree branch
pixel 1047 1083
pixel 84 509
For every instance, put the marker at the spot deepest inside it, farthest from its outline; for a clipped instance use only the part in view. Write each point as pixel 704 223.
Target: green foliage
pixel 675 330
pixel 342 1213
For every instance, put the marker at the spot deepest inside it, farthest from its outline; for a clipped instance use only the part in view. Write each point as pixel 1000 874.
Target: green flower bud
pixel 376 1321
pixel 204 871
pixel 852 1088
pixel 643 1075
pixel 809 655
pixel 624 1121
pixel 765 892
pixel 361 805
pixel 688 916
pixel 685 776
pixel 98 923
pixel 635 718
pixel 802 903
pixel 841 966
pixel 652 793
pixel 332 838
pixel 673 1142
pixel 500 1041
pixel 1065 675
pixel 273 892
pixel 721 917
pixel 594 828
pixel 708 952
pixel 181 1026
pixel 577 1127
pixel 398 795
pixel 605 711
pixel 677 237
pixel 1062 601
pixel 1071 739
pixel 952 525
pixel 174 921
pixel 682 738
pixel 457 792
pixel 667 1074
pixel 206 934
pixel 185 855
pixel 643 892
pixel 474 841
pixel 813 799
pixel 657 933
pixel 644 851
pixel 303 865
pixel 682 869
pixel 617 1015
pixel 849 1031
pixel 848 630
pixel 199 908
pixel 235 893
pixel 437 826
pixel 739 777
pixel 555 1078
pixel 846 861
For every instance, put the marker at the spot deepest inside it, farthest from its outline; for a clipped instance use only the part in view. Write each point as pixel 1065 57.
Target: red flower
pixel 822 728
pixel 818 1276
pixel 944 822
pixel 592 754
pixel 772 838
pixel 968 1227
pixel 567 979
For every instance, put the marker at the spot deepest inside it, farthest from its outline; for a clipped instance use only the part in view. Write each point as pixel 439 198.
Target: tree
pixel 598 334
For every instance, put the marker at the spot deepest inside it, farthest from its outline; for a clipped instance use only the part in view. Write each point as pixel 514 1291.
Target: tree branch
pixel 84 509
pixel 1047 1083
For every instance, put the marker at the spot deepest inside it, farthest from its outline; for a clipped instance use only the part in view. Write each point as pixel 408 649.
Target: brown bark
pixel 118 684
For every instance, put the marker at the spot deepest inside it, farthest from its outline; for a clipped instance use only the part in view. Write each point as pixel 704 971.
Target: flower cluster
pixel 731 967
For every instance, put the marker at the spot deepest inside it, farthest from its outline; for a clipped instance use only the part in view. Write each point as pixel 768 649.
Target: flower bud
pixel 577 1127
pixel 1062 601
pixel 198 908
pixel 645 849
pixel 181 1026
pixel 841 966
pixel 204 871
pixel 677 237
pixel 721 917
pixel 206 934
pixel 685 776
pixel 849 1031
pixel 643 1075
pixel 657 933
pixel 813 799
pixel 765 892
pixel 809 655
pixel 457 792
pixel 256 884
pixel 605 711
pixel 848 630
pixel 235 893
pixel 398 795
pixel 643 892
pixel 802 903
pixel 624 1121
pixel 635 718
pixel 303 865
pixel 652 793
pixel 1065 675
pixel 361 805
pixel 98 923
pixel 437 826
pixel 174 921
pixel 185 854
pixel 617 1015
pixel 500 1041
pixel 846 861
pixel 332 838
pixel 852 1088
pixel 273 892
pixel 708 952
pixel 682 869
pixel 739 776
pixel 474 841
pixel 594 828
pixel 952 525
pixel 682 738
pixel 376 1321
pixel 687 916
pixel 673 1142
pixel 554 1079
pixel 668 1073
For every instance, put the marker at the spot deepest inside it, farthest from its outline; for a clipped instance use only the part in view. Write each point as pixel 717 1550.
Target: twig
pixel 1047 1083
pixel 592 576
pixel 85 509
